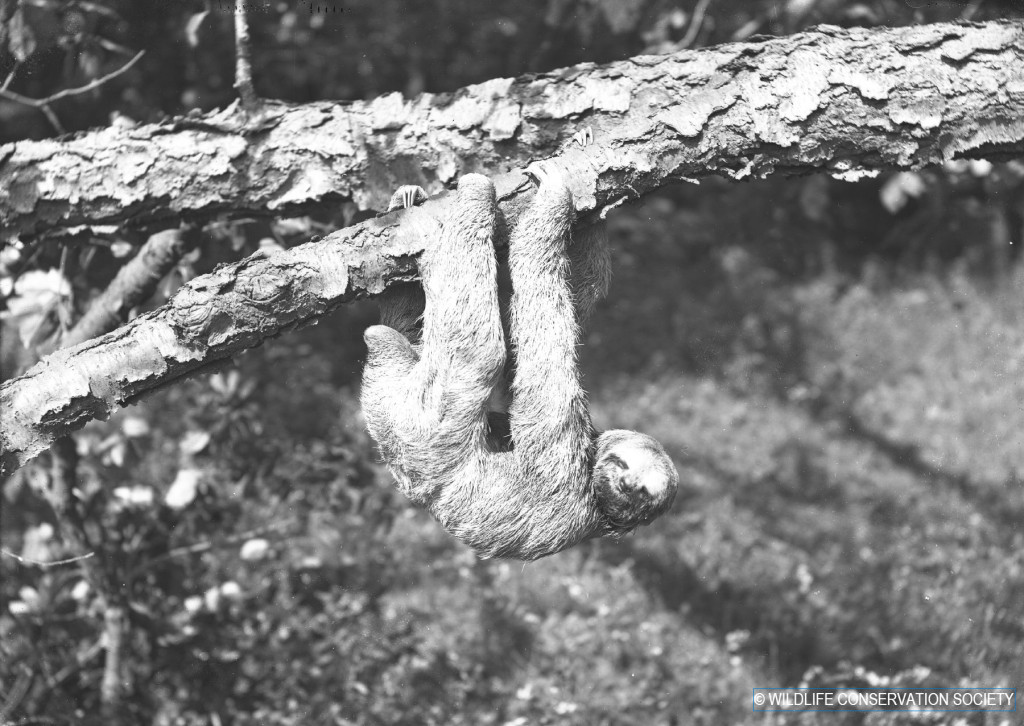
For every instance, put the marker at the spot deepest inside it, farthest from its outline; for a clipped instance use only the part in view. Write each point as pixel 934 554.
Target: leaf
pixel 134 496
pixel 900 189
pixel 10 255
pixel 118 453
pixel 269 244
pixel 135 427
pixel 814 198
pixel 194 441
pixel 236 235
pixel 979 168
pixel 22 41
pixel 183 489
pixel 246 389
pixel 254 549
pixel 799 8
pixel 212 598
pixel 171 282
pixel 38 543
pixel 34 307
pixel 30 596
pixel 226 383
pixel 622 16
pixel 80 591
pixel 121 249
pixel 192 27
pixel 36 330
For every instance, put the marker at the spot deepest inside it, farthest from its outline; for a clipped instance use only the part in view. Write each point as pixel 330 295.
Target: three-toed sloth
pixel 495 439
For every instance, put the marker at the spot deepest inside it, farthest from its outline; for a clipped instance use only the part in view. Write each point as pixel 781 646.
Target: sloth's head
pixel 634 479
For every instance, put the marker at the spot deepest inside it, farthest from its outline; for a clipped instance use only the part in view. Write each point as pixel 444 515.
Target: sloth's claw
pixel 406 196
pixel 584 137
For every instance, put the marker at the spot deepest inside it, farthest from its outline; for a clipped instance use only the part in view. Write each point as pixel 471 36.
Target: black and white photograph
pixel 475 363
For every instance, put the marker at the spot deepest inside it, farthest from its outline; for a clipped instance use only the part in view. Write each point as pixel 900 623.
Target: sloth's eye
pixel 618 461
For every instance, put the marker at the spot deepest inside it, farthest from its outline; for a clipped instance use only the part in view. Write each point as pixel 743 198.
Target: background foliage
pixel 835 368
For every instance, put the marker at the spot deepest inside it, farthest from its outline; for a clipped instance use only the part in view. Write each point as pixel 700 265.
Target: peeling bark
pixel 849 102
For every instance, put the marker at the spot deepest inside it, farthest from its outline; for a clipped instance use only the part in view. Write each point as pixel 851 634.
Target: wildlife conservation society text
pixel 885 699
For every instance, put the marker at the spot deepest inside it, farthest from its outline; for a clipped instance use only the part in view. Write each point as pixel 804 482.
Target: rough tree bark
pixel 849 102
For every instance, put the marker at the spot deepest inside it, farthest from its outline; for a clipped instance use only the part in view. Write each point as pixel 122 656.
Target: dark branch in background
pixel 43 104
pixel 848 102
pixel 696 23
pixel 134 283
pixel 102 578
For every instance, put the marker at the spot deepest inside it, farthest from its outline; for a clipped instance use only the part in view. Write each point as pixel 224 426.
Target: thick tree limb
pixel 843 100
pixel 851 102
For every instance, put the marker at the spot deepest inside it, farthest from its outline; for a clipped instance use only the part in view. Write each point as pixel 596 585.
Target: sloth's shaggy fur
pixel 494 440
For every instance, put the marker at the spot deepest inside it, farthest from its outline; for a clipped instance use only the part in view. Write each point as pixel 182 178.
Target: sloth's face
pixel 634 479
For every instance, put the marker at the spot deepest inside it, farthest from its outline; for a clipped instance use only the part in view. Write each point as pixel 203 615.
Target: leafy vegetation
pixel 835 369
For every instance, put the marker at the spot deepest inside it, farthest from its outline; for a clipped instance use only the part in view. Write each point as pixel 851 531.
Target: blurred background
pixel 836 369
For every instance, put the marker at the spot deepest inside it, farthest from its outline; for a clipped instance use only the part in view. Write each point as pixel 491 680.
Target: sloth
pixel 472 389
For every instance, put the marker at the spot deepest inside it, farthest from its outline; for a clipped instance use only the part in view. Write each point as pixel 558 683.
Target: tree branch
pixel 243 59
pixel 134 283
pixel 850 102
pixel 840 100
pixel 43 104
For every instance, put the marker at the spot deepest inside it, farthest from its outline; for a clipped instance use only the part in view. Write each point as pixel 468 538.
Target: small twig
pixel 69 304
pixel 71 668
pixel 10 76
pixel 52 682
pixel 99 9
pixel 43 104
pixel 695 24
pixel 15 695
pixel 198 547
pixel 52 118
pixel 113 684
pixel 40 563
pixel 95 83
pixel 243 58
pixel 34 651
